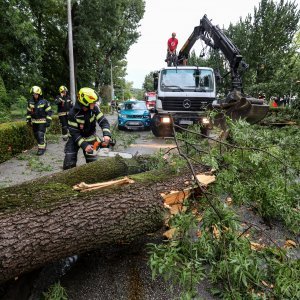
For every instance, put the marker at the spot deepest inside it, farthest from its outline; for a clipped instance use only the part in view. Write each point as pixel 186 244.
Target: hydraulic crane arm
pixel 236 104
pixel 216 39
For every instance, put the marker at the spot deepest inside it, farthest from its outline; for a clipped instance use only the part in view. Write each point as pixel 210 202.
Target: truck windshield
pixel 187 80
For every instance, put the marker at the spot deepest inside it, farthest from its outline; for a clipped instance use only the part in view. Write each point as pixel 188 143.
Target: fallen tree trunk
pixel 53 221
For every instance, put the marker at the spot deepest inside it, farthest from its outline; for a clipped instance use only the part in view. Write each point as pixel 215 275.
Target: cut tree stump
pixel 45 220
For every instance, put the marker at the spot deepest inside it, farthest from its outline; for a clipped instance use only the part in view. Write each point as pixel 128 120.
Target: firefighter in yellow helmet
pixel 64 104
pixel 82 121
pixel 38 116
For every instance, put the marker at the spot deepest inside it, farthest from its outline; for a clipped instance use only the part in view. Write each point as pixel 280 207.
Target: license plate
pixel 133 123
pixel 186 122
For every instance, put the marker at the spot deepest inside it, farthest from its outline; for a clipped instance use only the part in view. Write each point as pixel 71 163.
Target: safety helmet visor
pixel 87 96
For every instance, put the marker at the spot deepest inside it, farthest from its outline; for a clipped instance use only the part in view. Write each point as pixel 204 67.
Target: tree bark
pixel 51 221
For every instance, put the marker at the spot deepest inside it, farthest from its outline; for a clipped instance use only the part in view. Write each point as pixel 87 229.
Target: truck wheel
pixel 205 130
pixel 161 131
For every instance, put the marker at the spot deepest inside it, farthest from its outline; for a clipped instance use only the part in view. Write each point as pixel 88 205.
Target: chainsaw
pixel 98 145
pixel 103 149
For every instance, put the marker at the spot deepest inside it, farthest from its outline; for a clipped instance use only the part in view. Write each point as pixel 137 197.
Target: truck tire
pixel 205 131
pixel 161 131
pixel 158 129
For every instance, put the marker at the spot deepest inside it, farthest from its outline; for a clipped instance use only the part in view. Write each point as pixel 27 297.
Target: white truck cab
pixel 183 93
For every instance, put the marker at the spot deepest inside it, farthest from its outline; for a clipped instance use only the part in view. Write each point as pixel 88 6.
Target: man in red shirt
pixel 172 45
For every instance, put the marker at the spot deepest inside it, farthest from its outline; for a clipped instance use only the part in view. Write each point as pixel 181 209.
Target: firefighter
pixel 64 104
pixel 82 121
pixel 39 117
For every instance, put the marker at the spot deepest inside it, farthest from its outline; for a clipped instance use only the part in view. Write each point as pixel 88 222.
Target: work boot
pixel 40 151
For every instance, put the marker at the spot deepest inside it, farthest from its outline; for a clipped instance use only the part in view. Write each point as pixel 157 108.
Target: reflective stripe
pixel 62 114
pixel 38 121
pixel 49 118
pixel 90 138
pixel 48 108
pixel 42 146
pixel 80 142
pixel 99 116
pixel 31 105
pixel 92 118
pixel 106 130
pixel 28 117
pixel 72 123
pixel 80 121
pixel 29 109
pixel 41 105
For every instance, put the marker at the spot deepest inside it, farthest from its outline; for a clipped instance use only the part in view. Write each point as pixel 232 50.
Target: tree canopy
pixel 34 48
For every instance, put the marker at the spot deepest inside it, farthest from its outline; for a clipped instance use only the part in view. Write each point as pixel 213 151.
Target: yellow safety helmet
pixel 87 96
pixel 63 88
pixel 36 90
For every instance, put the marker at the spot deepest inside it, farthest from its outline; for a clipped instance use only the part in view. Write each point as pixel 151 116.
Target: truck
pixel 185 93
pixel 150 99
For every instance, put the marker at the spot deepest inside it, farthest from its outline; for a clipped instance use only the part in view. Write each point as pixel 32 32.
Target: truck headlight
pixel 205 121
pixel 166 120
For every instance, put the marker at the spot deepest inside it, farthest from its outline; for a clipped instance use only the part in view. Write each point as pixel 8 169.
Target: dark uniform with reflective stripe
pixel 39 114
pixel 82 131
pixel 64 104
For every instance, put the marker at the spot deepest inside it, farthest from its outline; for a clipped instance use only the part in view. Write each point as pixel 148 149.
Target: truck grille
pixel 185 104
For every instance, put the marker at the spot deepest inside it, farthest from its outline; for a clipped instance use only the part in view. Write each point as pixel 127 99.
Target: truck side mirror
pixel 155 81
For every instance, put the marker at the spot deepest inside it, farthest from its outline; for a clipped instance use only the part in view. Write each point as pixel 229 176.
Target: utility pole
pixel 111 83
pixel 71 56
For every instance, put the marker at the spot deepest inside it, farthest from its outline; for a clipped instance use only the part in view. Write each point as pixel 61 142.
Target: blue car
pixel 134 114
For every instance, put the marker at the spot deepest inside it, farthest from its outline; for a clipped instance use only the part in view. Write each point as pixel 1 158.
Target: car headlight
pixel 122 116
pixel 166 120
pixel 205 121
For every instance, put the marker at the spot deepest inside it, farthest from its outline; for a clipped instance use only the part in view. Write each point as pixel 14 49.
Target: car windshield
pixel 151 98
pixel 187 80
pixel 135 105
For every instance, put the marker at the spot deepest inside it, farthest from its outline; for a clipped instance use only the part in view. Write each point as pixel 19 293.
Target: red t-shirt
pixel 172 44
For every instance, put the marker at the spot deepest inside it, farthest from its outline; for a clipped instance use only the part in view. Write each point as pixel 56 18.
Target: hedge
pixel 16 137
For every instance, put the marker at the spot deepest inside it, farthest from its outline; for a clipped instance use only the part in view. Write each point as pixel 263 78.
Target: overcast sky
pixel 162 17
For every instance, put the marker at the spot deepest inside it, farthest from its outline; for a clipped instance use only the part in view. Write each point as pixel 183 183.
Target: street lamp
pixel 71 57
pixel 111 83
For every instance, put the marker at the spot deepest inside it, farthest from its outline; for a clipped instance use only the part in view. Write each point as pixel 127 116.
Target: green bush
pixel 3 95
pixel 16 137
pixel 4 114
pixel 55 127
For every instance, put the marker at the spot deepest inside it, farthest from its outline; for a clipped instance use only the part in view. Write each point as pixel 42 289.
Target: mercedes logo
pixel 187 103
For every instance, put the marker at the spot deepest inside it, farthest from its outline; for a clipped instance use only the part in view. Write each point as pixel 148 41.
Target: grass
pixel 56 292
pixel 38 166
